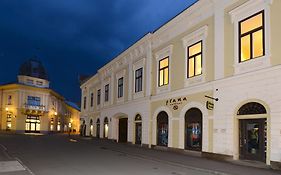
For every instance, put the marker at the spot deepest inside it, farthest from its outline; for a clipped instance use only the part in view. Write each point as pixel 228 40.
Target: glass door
pixel 138 133
pixel 253 139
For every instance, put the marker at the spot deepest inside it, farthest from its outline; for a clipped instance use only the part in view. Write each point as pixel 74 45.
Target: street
pixel 61 155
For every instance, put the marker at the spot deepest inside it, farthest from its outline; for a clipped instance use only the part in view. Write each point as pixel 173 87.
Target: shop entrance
pixel 252 132
pixel 193 129
pixel 32 124
pixel 252 139
pixel 105 128
pixel 138 129
pixel 162 129
pixel 123 130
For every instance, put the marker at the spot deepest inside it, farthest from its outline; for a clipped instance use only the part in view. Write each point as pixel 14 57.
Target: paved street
pixel 60 155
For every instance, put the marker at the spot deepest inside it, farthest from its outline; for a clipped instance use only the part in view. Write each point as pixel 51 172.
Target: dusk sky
pixel 75 37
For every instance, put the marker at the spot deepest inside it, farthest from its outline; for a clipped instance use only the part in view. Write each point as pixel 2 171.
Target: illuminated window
pixel 106 92
pixel 58 126
pixel 251 37
pixel 138 80
pixel 33 101
pixel 163 72
pixel 9 121
pixel 194 61
pixel 120 87
pixel 98 97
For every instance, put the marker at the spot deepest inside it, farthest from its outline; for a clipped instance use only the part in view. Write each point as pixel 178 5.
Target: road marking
pixel 24 166
pixel 72 140
pixel 10 166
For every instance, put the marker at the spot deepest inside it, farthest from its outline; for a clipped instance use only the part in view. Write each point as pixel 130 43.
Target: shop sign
pixel 175 102
pixel 209 105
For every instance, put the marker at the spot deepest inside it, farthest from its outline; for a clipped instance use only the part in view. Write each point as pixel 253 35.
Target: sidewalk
pixel 9 165
pixel 184 160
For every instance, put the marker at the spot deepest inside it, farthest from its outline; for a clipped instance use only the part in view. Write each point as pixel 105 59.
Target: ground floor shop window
pixel 32 124
pixel 105 133
pixel 91 127
pixel 162 129
pixel 138 122
pixel 193 129
pixel 9 121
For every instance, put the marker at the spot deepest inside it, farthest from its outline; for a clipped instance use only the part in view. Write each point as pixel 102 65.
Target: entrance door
pixel 162 129
pixel 123 129
pixel 32 124
pixel 252 139
pixel 193 129
pixel 138 133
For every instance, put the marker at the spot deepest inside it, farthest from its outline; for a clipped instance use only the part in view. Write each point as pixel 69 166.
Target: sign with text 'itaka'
pixel 175 102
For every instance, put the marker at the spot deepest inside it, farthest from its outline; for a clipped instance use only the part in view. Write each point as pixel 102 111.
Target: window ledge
pixel 163 89
pixel 120 100
pixel 252 65
pixel 138 94
pixel 194 80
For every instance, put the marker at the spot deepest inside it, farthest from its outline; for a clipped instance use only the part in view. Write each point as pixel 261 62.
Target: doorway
pixel 32 124
pixel 162 129
pixel 252 139
pixel 138 122
pixel 123 130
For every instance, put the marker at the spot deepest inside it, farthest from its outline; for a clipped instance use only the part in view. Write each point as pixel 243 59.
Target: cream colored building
pixel 30 106
pixel 206 81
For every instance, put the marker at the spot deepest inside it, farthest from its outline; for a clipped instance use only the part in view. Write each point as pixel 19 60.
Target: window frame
pixel 250 33
pixel 85 102
pixel 120 87
pixel 138 80
pixel 160 69
pixel 106 93
pixel 98 96
pixel 194 56
pixel 92 99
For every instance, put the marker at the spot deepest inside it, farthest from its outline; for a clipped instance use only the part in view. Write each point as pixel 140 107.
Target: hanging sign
pixel 209 105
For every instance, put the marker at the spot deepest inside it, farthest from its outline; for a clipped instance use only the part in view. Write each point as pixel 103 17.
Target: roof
pixel 73 105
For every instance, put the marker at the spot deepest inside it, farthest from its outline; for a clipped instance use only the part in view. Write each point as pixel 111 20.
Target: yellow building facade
pixel 30 106
pixel 206 81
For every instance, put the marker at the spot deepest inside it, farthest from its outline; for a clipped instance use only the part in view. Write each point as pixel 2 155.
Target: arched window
pixel 162 129
pixel 91 127
pixel 193 129
pixel 251 109
pixel 138 118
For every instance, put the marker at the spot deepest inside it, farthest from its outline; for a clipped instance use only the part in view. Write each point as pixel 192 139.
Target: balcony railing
pixel 35 107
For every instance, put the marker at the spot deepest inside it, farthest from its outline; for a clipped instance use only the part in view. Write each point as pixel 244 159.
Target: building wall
pixel 231 83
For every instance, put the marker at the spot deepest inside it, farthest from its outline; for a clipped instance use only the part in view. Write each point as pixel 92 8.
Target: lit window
pixel 98 97
pixel 9 121
pixel 194 63
pixel 9 100
pixel 138 80
pixel 106 92
pixel 120 87
pixel 163 72
pixel 251 37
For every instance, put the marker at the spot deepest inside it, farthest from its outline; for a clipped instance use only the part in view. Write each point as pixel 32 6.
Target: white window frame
pixel 166 52
pixel 119 75
pixel 189 40
pixel 245 10
pixel 98 105
pixel 137 65
pixel 106 103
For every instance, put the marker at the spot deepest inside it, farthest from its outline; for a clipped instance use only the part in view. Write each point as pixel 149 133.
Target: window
pixel 85 102
pixel 98 98
pixel 106 92
pixel 194 62
pixel 9 99
pixel 163 72
pixel 33 101
pixel 9 121
pixel 92 99
pixel 120 87
pixel 138 80
pixel 251 37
